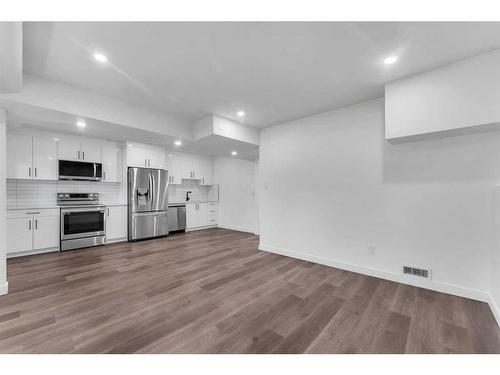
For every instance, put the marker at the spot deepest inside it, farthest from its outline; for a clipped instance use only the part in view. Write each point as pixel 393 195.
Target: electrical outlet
pixel 371 249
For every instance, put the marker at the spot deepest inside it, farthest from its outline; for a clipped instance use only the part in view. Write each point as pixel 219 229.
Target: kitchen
pixel 50 172
pixel 214 188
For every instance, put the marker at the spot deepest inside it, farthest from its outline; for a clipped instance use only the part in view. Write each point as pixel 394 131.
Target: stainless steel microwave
pixel 79 170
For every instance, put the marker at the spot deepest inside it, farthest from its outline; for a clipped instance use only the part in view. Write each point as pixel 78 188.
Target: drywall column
pixel 3 204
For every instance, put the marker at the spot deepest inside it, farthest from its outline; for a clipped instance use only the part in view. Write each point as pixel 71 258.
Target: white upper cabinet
pixel 91 150
pixel 44 158
pixel 187 166
pixel 206 171
pixel 79 149
pixel 146 156
pixel 111 162
pixel 174 166
pixel 157 157
pixel 19 156
pixel 197 167
pixel 31 157
pixel 69 149
pixel 136 155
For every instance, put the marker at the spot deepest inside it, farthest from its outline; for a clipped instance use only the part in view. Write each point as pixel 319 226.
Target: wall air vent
pixel 414 271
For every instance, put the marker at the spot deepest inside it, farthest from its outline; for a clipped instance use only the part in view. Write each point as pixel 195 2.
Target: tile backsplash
pixel 40 193
pixel 199 193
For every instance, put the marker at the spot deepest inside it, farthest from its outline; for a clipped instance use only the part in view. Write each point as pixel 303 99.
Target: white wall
pixel 237 199
pixel 11 58
pixel 3 204
pixel 495 260
pixel 458 95
pixel 331 186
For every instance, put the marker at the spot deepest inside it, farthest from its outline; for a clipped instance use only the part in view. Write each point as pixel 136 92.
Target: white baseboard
pixel 200 228
pixel 495 309
pixel 4 289
pixel 400 278
pixel 32 252
pixel 239 229
pixel 115 240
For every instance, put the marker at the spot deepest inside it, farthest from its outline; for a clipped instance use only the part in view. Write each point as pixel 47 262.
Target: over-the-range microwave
pixel 80 170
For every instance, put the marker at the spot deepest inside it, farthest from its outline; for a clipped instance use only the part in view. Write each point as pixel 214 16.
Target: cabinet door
pixel 203 214
pixel 19 234
pixel 187 166
pixel 91 151
pixel 206 171
pixel 44 158
pixel 157 157
pixel 136 156
pixel 19 156
pixel 212 213
pixel 174 166
pixel 192 217
pixel 110 163
pixel 69 148
pixel 116 222
pixel 46 232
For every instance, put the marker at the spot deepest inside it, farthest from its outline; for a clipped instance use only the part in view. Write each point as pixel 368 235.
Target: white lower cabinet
pixel 199 215
pixel 32 230
pixel 116 223
pixel 46 232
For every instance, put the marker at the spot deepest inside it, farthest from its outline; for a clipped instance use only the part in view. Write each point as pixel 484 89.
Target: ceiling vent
pixel 419 272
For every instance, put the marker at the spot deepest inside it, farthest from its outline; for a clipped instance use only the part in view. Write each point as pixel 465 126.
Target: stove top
pixel 78 199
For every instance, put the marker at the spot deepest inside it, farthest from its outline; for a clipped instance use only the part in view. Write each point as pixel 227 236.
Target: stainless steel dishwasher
pixel 176 214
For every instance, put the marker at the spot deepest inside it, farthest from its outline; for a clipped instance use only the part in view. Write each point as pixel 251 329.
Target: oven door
pixel 82 222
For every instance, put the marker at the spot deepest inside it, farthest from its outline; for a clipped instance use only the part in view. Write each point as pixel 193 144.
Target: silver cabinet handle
pixel 107 209
pixel 203 180
pixel 104 175
pixel 33 213
pixel 78 153
pixel 36 173
pixel 29 224
pixel 83 154
pixel 145 162
pixel 29 171
pixel 150 162
pixel 36 224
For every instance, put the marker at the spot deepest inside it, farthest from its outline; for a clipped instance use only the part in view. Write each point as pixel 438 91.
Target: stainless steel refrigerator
pixel 147 203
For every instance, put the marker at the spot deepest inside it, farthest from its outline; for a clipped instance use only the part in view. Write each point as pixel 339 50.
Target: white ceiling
pixel 21 115
pixel 274 71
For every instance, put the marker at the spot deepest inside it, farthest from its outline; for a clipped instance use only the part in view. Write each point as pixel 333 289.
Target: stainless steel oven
pixel 82 224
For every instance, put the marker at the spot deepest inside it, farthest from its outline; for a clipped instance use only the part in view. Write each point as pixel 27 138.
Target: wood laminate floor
pixel 212 291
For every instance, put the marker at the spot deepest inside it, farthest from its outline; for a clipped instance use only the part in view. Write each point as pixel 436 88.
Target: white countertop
pixel 193 201
pixel 107 204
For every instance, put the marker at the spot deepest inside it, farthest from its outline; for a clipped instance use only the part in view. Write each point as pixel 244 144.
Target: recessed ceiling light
pixel 178 143
pixel 390 60
pixel 234 153
pixel 81 124
pixel 56 139
pixel 240 113
pixel 100 57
